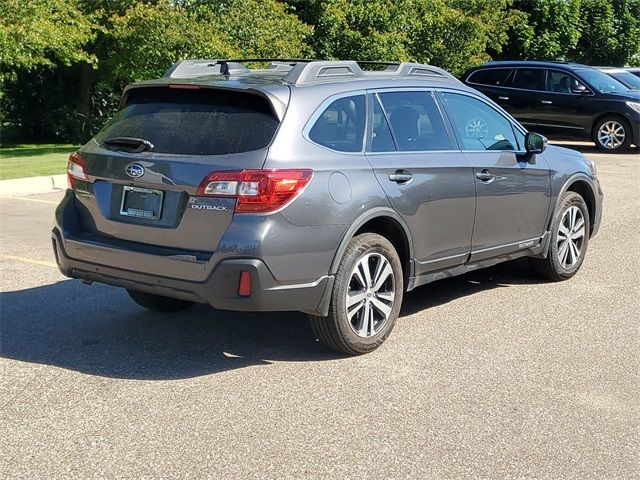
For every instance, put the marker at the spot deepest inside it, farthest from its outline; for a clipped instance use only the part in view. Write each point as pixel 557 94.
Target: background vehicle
pixel 318 187
pixel 624 76
pixel 634 70
pixel 564 100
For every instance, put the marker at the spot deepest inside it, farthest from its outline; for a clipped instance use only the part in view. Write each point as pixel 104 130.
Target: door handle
pixel 401 176
pixel 503 98
pixel 485 176
pixel 546 102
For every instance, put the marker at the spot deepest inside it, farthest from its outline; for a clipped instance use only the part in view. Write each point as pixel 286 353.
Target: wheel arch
pixel 389 224
pixel 580 184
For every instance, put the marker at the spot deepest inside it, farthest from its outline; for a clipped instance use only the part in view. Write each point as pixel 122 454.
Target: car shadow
pixel 590 148
pixel 98 330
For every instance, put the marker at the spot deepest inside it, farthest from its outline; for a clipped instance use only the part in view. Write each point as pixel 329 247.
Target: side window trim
pixel 321 109
pixel 453 141
pixel 514 126
pixel 376 98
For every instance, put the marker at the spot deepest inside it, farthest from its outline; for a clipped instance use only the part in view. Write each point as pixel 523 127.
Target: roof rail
pixel 198 68
pixel 304 72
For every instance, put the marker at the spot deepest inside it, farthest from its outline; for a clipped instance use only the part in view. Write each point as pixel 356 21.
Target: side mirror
pixel 535 143
pixel 579 89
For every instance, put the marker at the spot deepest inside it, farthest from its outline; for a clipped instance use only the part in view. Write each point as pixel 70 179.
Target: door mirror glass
pixel 535 143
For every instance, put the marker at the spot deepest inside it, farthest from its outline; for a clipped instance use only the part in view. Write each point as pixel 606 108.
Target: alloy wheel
pixel 611 134
pixel 571 234
pixel 370 295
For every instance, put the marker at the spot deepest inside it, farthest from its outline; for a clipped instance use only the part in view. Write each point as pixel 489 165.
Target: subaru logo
pixel 134 170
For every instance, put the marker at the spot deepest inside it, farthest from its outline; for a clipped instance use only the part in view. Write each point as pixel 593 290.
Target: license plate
pixel 141 203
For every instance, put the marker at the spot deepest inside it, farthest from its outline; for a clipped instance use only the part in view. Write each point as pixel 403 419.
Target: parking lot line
pixel 38 200
pixel 29 260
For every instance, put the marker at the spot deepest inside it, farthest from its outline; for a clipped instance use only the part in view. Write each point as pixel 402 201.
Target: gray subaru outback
pixel 317 186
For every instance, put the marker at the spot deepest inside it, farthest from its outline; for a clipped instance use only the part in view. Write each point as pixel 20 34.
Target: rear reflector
pixel 244 287
pixel 184 87
pixel 256 191
pixel 76 169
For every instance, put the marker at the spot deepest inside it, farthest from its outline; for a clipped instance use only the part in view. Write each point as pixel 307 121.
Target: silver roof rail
pixel 419 69
pixel 199 68
pixel 310 72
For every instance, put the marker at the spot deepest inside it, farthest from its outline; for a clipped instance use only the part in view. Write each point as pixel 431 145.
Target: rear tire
pixel 569 240
pixel 158 303
pixel 612 134
pixel 366 297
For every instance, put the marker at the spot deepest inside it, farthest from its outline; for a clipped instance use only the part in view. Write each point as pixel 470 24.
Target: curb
pixel 33 185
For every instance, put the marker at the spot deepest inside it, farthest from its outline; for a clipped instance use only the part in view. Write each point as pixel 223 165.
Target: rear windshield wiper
pixel 132 144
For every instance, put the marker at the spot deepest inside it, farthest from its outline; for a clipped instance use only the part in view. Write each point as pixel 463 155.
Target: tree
pixel 610 32
pixel 43 33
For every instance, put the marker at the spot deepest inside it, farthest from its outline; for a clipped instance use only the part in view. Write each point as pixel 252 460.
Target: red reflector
pixel 184 87
pixel 244 288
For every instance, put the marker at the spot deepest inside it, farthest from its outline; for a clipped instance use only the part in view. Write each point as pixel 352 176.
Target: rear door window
pixel 341 125
pixel 194 122
pixel 529 79
pixel 416 121
pixel 491 76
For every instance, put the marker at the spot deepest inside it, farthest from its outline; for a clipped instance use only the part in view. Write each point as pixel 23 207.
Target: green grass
pixel 33 160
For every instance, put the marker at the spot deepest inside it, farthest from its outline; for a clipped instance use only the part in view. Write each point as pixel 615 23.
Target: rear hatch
pixel 144 168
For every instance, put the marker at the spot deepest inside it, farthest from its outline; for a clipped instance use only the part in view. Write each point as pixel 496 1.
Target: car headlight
pixel 635 106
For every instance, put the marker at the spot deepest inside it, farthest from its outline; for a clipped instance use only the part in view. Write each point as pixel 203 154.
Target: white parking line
pixel 32 200
pixel 31 261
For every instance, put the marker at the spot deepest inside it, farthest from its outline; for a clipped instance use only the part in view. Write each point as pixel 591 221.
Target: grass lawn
pixel 32 160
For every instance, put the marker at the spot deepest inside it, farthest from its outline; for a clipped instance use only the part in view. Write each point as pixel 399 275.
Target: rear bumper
pixel 219 289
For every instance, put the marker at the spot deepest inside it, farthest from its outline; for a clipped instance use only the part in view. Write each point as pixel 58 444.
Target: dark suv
pixel 563 99
pixel 316 187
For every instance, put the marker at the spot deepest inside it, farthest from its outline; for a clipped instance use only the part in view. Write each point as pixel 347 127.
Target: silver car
pixel 316 186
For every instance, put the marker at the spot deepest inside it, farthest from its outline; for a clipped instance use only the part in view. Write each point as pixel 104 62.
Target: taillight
pixel 76 169
pixel 256 191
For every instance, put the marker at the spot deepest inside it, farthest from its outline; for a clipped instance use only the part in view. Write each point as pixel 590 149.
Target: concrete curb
pixel 32 185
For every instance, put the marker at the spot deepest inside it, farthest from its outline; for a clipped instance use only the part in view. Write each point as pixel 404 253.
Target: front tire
pixel 612 134
pixel 366 298
pixel 158 303
pixel 569 240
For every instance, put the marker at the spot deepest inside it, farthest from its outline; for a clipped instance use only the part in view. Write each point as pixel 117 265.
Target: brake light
pixel 256 191
pixel 76 169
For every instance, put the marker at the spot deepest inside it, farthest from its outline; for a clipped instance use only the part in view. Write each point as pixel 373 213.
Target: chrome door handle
pixel 503 98
pixel 485 176
pixel 400 176
pixel 546 102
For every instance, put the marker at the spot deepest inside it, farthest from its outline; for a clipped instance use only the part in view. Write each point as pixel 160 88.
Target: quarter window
pixel 341 126
pixel 415 120
pixel 492 76
pixel 477 125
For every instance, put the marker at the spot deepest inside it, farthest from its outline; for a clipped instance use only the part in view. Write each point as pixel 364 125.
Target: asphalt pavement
pixel 494 374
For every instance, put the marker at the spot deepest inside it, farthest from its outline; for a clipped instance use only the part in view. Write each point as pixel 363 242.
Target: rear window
pixel 194 122
pixel 493 76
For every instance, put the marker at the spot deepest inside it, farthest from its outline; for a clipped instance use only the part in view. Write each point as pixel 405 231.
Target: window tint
pixel 341 125
pixel 477 125
pixel 415 121
pixel 529 79
pixel 492 76
pixel 194 122
pixel 561 82
pixel 381 139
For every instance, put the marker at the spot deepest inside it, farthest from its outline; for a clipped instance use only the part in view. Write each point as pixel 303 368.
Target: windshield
pixel 602 82
pixel 629 79
pixel 191 122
